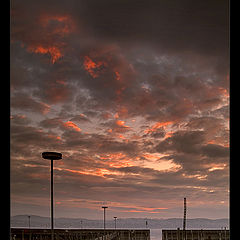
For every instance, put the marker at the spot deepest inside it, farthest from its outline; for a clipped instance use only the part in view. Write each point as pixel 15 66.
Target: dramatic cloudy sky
pixel 134 94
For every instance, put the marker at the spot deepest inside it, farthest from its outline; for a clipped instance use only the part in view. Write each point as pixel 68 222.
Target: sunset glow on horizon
pixel 134 96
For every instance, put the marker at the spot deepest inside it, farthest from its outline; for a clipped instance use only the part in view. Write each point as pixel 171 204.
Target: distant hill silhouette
pixel 44 222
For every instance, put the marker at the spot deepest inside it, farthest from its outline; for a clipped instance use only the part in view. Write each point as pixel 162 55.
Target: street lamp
pixel 29 222
pixel 52 156
pixel 81 224
pixel 115 220
pixel 104 207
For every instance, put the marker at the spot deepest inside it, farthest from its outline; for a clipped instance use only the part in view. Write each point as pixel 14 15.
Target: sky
pixel 134 94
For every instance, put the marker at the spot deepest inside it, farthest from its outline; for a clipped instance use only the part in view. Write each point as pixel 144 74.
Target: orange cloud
pixel 72 125
pixel 116 160
pixel 122 112
pixel 217 167
pixel 121 136
pixel 138 209
pixel 50 27
pixel 120 123
pixel 224 92
pixel 54 51
pixel 219 141
pixel 168 134
pixel 117 76
pixel 94 68
pixel 120 127
pixel 58 138
pixel 100 172
pixel 116 115
pixel 75 171
pixel 157 126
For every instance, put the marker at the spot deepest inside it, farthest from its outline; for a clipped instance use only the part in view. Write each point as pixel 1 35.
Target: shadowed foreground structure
pixel 79 234
pixel 195 234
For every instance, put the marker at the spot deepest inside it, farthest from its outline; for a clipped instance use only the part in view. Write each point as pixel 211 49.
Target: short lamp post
pixel 29 221
pixel 52 156
pixel 115 221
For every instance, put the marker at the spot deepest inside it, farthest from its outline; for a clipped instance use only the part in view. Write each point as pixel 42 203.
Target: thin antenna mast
pixel 184 214
pixel 184 218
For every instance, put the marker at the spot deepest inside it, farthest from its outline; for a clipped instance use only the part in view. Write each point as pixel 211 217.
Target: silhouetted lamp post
pixel 115 220
pixel 29 221
pixel 104 207
pixel 52 156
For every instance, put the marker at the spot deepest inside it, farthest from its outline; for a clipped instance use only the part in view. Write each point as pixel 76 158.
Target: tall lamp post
pixel 52 156
pixel 104 208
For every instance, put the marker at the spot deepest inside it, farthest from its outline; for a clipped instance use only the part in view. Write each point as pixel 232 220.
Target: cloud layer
pixel 135 95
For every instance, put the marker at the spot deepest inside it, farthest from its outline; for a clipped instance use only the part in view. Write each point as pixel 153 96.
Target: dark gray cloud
pixel 28 136
pixel 20 120
pixel 213 150
pixel 160 133
pixel 51 123
pixel 25 102
pixel 182 25
pixel 80 118
pixel 182 142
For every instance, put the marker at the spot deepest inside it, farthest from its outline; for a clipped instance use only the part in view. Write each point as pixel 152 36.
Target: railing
pixel 174 234
pixel 80 234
